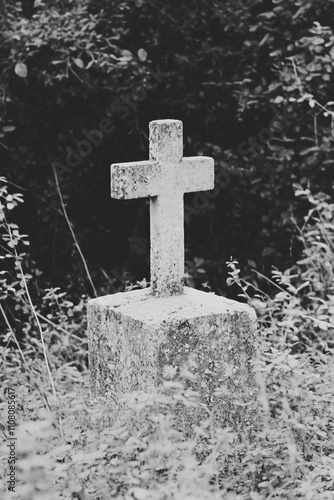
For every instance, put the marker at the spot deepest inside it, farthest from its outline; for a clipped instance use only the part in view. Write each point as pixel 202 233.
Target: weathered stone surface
pixel 164 178
pixel 134 337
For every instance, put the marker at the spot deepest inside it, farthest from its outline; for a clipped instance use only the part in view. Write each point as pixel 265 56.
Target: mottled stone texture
pixel 165 177
pixel 134 336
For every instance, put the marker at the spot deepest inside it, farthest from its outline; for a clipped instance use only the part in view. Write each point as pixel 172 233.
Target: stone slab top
pixel 143 306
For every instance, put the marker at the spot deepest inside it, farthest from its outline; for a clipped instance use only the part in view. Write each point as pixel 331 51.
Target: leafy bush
pixel 252 83
pixel 302 306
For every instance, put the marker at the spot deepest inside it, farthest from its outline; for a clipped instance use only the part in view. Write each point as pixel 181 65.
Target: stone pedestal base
pixel 135 339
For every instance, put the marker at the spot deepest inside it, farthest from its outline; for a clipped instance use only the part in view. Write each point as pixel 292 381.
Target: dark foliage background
pixel 231 69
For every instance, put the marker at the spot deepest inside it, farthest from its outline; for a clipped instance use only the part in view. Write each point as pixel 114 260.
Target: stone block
pixel 134 338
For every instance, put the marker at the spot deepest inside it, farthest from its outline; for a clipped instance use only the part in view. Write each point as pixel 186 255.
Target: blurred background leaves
pixel 236 73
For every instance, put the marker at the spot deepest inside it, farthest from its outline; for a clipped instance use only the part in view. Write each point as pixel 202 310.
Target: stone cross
pixel 137 338
pixel 165 177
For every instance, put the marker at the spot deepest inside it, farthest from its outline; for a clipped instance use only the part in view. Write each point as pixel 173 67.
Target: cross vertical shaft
pixel 167 244
pixel 167 239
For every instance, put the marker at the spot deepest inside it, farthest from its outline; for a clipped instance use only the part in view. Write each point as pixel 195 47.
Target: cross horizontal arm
pixel 135 179
pixel 197 173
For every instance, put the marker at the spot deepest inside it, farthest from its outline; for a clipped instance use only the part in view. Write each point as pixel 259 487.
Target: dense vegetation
pixel 253 84
pixel 71 448
pixel 245 78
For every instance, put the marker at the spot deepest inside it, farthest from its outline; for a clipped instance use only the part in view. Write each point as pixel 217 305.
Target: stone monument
pixel 135 336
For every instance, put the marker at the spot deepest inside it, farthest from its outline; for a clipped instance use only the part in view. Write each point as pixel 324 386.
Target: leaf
pixel 254 496
pixel 323 325
pixel 139 493
pixel 79 62
pixel 37 41
pixel 126 56
pixel 21 69
pixel 293 362
pixel 305 96
pixel 142 54
pixel 317 40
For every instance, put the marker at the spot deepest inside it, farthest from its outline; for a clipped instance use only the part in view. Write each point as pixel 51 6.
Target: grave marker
pixel 134 336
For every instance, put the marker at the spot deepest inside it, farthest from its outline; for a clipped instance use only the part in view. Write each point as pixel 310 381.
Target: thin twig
pixel 72 232
pixel 26 365
pixel 34 194
pixel 299 82
pixel 58 327
pixel 12 333
pixel 271 281
pixel 33 312
pixel 315 131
